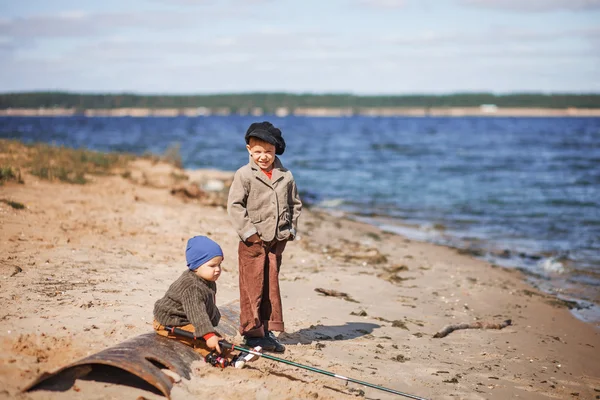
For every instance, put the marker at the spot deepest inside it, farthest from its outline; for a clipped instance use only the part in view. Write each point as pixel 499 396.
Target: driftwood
pixel 158 361
pixel 335 293
pixel 476 325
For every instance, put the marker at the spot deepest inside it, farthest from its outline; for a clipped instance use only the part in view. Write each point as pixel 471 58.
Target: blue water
pixel 519 192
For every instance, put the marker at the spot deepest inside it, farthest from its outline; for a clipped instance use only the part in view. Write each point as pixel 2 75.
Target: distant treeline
pixel 271 101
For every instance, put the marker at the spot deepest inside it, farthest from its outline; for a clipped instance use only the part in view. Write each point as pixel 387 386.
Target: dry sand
pixel 81 267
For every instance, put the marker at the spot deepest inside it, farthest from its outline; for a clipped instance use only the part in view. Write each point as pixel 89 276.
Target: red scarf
pixel 269 173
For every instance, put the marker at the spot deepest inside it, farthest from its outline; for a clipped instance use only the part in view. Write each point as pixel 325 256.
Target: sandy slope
pixel 81 267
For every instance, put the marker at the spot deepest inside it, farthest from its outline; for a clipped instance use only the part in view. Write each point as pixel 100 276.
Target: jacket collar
pixel 278 171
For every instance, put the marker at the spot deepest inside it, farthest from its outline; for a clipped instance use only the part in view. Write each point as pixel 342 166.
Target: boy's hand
pixel 213 343
pixel 254 239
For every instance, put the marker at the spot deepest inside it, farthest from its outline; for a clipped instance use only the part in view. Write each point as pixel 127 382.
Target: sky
pixel 362 47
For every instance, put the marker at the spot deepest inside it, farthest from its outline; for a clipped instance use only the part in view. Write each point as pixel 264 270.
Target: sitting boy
pixel 190 303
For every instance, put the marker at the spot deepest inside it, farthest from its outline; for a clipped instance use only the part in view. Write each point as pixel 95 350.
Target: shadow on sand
pixel 99 373
pixel 348 331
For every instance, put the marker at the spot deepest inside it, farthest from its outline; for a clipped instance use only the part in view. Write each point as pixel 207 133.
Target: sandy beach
pixel 82 265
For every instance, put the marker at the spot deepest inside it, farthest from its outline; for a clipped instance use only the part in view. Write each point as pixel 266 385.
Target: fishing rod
pixel 231 346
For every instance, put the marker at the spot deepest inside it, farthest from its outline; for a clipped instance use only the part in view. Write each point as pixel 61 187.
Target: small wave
pixel 590 313
pixel 571 202
pixel 332 203
pixel 395 147
pixel 552 265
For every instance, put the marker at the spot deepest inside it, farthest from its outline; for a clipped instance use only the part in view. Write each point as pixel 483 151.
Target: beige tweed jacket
pixel 269 207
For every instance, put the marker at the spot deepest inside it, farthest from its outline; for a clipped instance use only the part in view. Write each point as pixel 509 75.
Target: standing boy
pixel 264 207
pixel 189 303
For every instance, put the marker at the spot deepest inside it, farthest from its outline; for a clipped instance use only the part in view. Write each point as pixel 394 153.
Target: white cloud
pixel 493 37
pixel 240 51
pixel 535 5
pixel 187 2
pixel 398 73
pixel 206 48
pixel 230 3
pixel 385 4
pixel 80 24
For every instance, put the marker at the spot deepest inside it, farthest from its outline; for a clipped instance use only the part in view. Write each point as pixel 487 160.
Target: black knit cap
pixel 267 132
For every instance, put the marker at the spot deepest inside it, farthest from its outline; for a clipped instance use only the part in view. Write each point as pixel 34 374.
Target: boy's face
pixel 210 270
pixel 262 153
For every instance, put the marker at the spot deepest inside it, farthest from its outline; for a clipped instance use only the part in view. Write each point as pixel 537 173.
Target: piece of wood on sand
pixel 157 360
pixel 335 293
pixel 475 325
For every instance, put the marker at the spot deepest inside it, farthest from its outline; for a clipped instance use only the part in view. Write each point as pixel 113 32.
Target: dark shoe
pixel 264 342
pixel 268 343
pixel 279 347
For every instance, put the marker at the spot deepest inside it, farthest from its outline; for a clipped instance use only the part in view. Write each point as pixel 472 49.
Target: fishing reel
pixel 216 360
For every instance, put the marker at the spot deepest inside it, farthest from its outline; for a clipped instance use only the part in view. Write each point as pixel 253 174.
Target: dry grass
pixel 10 174
pixel 56 162
pixel 172 155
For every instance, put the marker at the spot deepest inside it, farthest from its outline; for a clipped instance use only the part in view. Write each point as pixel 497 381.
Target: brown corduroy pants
pixel 199 345
pixel 260 299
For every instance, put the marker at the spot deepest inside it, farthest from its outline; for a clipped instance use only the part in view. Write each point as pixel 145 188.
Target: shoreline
pixel 482 111
pixel 584 309
pixel 94 257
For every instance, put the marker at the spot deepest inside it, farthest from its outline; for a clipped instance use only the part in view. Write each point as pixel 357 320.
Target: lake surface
pixel 519 192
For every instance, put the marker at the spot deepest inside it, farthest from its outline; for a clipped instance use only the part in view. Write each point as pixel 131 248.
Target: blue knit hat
pixel 199 250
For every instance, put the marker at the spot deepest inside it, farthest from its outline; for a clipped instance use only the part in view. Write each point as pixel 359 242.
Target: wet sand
pixel 81 267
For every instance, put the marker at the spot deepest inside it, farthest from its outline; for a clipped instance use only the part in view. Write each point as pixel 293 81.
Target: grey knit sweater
pixel 189 300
